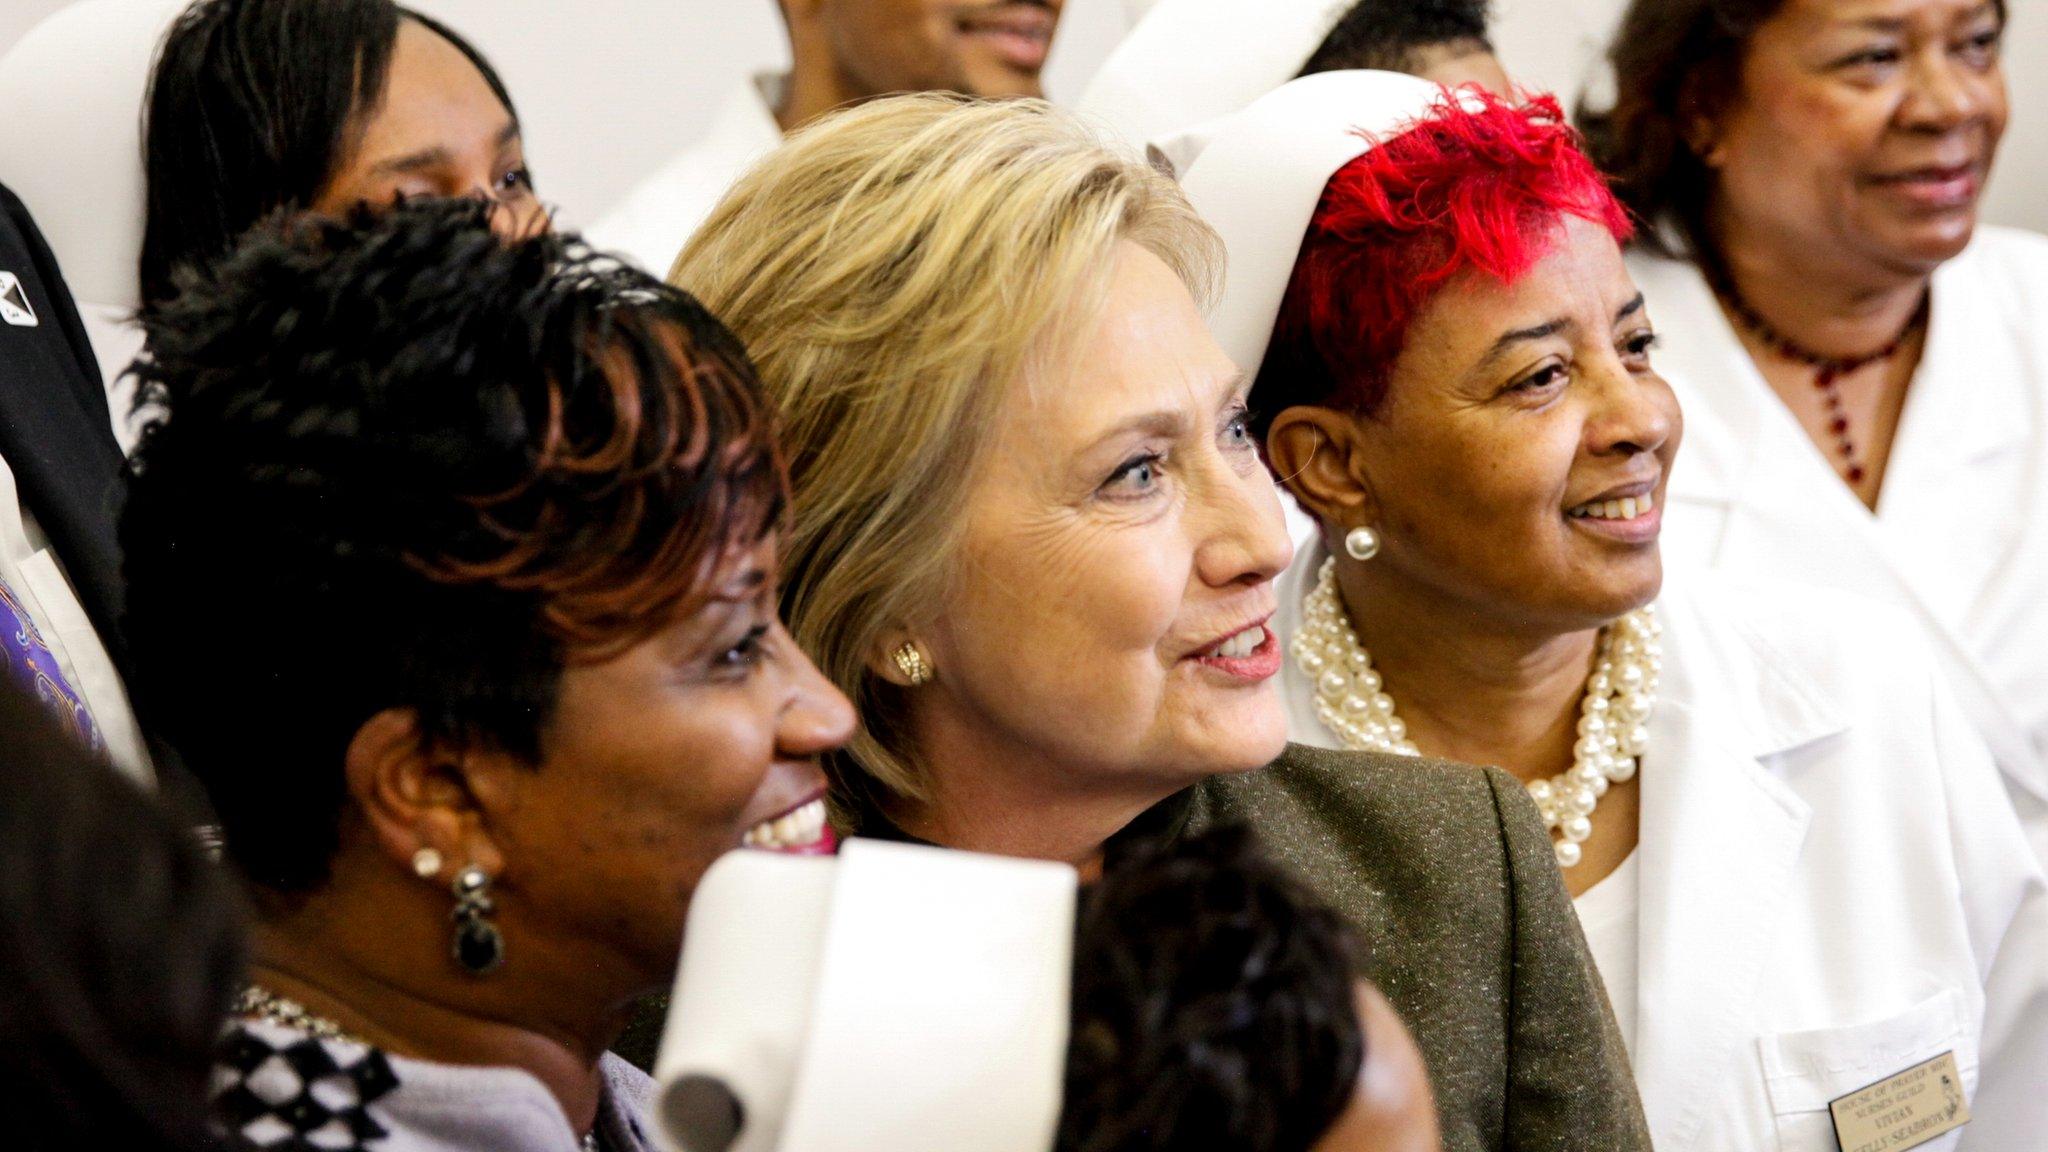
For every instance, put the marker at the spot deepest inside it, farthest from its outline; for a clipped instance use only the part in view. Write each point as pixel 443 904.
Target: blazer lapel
pixel 1720 838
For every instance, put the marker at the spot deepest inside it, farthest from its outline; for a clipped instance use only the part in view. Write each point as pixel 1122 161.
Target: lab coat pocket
pixel 1803 1071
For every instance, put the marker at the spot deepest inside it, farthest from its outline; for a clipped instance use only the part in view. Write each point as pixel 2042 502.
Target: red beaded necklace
pixel 1829 370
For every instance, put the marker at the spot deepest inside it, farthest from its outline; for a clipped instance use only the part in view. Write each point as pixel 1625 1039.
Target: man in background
pixel 1441 40
pixel 842 51
pixel 1190 61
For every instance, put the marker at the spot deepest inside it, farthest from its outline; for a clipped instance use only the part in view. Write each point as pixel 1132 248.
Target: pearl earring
pixel 911 662
pixel 426 863
pixel 1362 543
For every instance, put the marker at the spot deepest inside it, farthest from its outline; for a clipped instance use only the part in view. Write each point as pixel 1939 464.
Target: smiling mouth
pixel 801 831
pixel 1019 33
pixel 1626 508
pixel 1239 645
pixel 1953 186
pixel 1248 656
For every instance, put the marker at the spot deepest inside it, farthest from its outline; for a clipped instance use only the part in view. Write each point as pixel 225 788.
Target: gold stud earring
pixel 911 662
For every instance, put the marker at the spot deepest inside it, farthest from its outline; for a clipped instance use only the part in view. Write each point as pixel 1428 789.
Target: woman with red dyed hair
pixel 1777 825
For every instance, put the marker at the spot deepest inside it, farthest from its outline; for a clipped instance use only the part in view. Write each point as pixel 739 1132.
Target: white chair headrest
pixel 892 997
pixel 71 96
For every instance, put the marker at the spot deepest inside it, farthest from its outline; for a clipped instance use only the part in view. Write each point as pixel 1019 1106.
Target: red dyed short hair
pixel 1480 184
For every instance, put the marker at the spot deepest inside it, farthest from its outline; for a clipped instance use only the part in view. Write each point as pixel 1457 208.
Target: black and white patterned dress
pixel 284 1090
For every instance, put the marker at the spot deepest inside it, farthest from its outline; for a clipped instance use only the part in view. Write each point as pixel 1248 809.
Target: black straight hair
pixel 252 106
pixel 1386 34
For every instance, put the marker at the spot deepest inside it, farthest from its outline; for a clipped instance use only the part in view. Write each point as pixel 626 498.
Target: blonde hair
pixel 894 269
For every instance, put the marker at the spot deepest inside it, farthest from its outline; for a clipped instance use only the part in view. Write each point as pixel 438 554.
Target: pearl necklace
pixel 261 1003
pixel 1353 705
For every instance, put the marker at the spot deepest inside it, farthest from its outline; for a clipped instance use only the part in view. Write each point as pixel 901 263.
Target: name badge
pixel 1903 1111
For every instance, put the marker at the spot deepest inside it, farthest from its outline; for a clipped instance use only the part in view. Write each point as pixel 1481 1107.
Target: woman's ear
pixel 1703 139
pixel 1701 129
pixel 414 793
pixel 1316 454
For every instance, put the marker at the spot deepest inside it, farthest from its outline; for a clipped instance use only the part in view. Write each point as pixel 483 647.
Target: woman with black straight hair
pixel 257 106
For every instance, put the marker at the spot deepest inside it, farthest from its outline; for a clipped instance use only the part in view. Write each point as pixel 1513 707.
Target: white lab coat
pixel 1833 887
pixel 659 215
pixel 1959 540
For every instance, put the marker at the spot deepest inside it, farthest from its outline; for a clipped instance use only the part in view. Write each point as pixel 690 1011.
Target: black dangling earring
pixel 478 946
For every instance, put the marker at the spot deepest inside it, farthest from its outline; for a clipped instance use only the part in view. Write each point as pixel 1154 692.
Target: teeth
pixel 799 829
pixel 1627 508
pixel 1243 644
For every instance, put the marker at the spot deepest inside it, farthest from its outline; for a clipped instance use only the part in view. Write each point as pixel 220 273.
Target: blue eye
pixel 1237 433
pixel 1136 476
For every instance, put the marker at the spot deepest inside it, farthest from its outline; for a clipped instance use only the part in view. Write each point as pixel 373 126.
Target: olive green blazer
pixel 1448 873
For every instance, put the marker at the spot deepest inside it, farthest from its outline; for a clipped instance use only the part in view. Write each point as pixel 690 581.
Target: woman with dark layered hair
pixel 453 576
pixel 1862 363
pixel 261 105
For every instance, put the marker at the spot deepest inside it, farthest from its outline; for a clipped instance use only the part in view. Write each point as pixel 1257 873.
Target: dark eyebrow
pixel 742 586
pixel 1629 309
pixel 1522 336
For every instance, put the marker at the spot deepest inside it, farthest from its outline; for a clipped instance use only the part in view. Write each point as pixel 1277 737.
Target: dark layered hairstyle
pixel 409 466
pixel 120 950
pixel 1676 63
pixel 253 106
pixel 1213 1005
pixel 1386 34
pixel 1478 185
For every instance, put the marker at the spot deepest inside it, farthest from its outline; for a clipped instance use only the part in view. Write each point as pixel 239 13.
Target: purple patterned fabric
pixel 27 661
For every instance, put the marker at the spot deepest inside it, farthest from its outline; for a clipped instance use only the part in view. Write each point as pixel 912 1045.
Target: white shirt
pixel 658 217
pixel 1960 536
pixel 31 570
pixel 1608 914
pixel 1832 884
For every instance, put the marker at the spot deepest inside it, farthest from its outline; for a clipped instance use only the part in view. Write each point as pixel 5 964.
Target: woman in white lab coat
pixel 1790 851
pixel 1864 370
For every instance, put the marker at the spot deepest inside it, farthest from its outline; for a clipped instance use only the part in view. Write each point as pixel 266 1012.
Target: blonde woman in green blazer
pixel 1034 541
